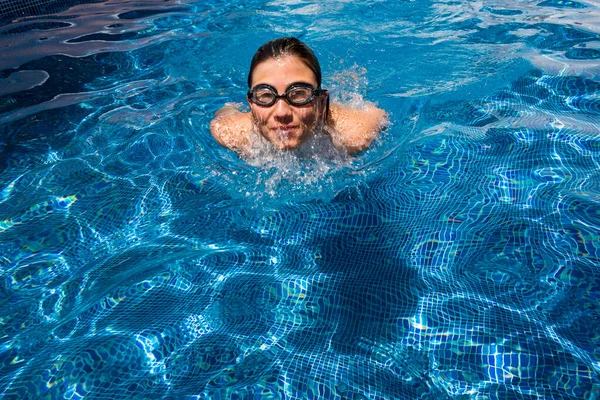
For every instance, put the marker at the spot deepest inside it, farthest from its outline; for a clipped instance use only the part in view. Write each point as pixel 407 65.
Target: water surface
pixel 455 259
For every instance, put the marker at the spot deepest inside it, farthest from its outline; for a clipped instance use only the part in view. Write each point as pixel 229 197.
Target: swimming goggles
pixel 296 95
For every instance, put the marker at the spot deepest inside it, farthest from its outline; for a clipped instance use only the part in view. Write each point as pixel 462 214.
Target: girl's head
pixel 285 93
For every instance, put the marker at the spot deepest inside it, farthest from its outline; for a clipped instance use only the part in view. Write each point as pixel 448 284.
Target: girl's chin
pixel 286 143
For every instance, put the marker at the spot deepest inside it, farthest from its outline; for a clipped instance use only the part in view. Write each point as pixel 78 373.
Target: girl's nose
pixel 282 107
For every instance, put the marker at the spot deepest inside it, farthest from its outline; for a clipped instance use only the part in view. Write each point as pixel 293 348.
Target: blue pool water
pixel 458 258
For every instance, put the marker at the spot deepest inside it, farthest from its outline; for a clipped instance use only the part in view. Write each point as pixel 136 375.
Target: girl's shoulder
pixel 355 128
pixel 232 130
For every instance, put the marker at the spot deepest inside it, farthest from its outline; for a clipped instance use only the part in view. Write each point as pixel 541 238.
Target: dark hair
pixel 286 46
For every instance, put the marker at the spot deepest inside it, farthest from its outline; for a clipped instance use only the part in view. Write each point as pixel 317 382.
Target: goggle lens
pixel 266 96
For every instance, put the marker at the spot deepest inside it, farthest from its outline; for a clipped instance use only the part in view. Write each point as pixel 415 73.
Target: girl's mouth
pixel 285 130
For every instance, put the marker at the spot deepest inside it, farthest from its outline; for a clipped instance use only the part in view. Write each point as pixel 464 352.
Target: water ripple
pixel 137 256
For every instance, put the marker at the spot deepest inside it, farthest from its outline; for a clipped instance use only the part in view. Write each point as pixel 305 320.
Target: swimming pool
pixel 458 258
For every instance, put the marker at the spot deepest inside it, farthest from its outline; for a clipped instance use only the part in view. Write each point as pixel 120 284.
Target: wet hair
pixel 286 46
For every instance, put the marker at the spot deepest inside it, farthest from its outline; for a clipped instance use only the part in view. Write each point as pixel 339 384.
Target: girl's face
pixel 285 126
